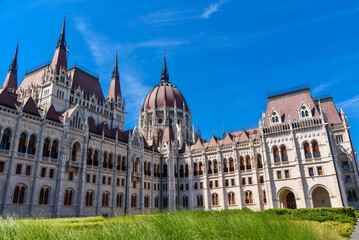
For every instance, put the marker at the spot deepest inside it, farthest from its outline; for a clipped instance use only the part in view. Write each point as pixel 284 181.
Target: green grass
pixel 230 224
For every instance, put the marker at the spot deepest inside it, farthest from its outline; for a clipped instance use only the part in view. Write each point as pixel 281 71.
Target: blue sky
pixel 223 55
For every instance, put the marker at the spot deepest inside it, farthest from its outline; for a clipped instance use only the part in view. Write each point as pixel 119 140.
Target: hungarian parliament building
pixel 64 151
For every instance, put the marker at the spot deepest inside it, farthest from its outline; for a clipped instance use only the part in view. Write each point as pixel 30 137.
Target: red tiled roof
pixel 59 58
pixel 86 82
pixel 5 99
pixel 330 111
pixel 33 78
pixel 115 90
pixel 52 114
pixel 288 104
pixel 30 107
pixel 212 142
pixel 198 144
pixel 228 139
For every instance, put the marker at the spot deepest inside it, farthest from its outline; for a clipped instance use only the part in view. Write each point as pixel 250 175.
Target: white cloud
pixel 161 43
pixel 212 9
pixel 351 102
pixel 322 87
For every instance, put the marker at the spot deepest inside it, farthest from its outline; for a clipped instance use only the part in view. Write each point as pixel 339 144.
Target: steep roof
pixel 114 91
pixel 30 107
pixel 11 76
pixel 85 81
pixel 330 110
pixel 287 104
pixel 51 114
pixel 5 99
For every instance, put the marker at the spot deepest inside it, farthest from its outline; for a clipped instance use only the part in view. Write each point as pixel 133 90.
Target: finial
pixel 164 74
pixel 62 41
pixel 13 65
pixel 115 68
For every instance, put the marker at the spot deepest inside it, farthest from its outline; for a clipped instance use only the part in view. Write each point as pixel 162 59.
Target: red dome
pixel 164 90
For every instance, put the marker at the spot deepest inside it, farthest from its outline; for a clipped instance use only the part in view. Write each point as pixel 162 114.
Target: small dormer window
pixel 275 118
pixel 304 112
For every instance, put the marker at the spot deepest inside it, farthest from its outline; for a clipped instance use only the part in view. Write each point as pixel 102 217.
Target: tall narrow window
pixel 89 156
pixel 241 163
pixel 185 201
pixel 195 169
pixel 54 149
pixel 186 171
pixel 123 165
pixel 316 149
pixel 210 167
pixel 215 166
pixel 200 169
pixel 199 201
pixel 276 154
pixel 231 198
pixel 307 152
pixel 19 195
pixel 105 197
pixel 95 158
pixel 74 151
pixel 259 161
pixel 45 148
pixel 225 165
pixel 44 195
pixel 215 199
pixel 22 143
pixel 284 154
pixel 119 200
pixel 5 141
pixel 68 197
pixel 248 197
pixel 181 171
pixel 89 198
pixel 110 161
pixel 164 170
pixel 31 146
pixel 231 165
pixel 248 163
pixel 134 201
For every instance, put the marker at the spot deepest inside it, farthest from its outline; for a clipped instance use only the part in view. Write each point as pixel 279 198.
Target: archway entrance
pixel 320 197
pixel 287 199
pixel 291 201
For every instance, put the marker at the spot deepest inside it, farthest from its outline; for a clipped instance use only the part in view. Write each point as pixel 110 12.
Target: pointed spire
pixel 164 74
pixel 62 41
pixel 114 92
pixel 59 60
pixel 11 76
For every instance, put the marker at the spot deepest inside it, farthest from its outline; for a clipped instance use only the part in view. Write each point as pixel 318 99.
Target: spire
pixel 59 59
pixel 164 74
pixel 62 41
pixel 114 92
pixel 11 76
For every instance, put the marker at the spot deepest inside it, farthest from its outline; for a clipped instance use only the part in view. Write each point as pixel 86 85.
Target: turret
pixel 11 76
pixel 114 91
pixel 59 59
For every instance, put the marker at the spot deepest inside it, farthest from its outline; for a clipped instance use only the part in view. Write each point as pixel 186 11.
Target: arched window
pixel 195 169
pixel 241 163
pixel 283 150
pixel 133 200
pixel 159 137
pixel 54 149
pixel 22 143
pixel 181 171
pixel 89 198
pixel 165 202
pixel 5 141
pixel 147 201
pixel 199 201
pixel 231 199
pixel 158 170
pixel 215 166
pixel 110 162
pixel 118 167
pixel 185 201
pixel 123 165
pixel 119 200
pixel 276 154
pixel 95 158
pixel 155 170
pixel 210 167
pixel 307 152
pixel 186 170
pixel 44 195
pixel 231 165
pixel 68 197
pixel 149 172
pixel 164 170
pixel 89 156
pixel 156 202
pixel 248 163
pixel 45 148
pixel 316 149
pixel 19 195
pixel 104 164
pixel 74 151
pixel 248 197
pixel 200 169
pixel 105 197
pixel 225 165
pixel 215 199
pixel 304 111
pixel 259 161
pixel 31 148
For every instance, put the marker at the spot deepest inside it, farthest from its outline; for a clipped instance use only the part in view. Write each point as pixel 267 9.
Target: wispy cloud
pixel 214 7
pixel 351 102
pixel 323 86
pixel 161 43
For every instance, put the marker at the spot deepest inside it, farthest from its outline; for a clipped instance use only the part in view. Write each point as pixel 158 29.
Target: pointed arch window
pixel 68 197
pixel 195 169
pixel 145 168
pixel 231 198
pixel 104 164
pixel 248 197
pixel 248 163
pixel 118 167
pixel 95 158
pixel 215 201
pixel 283 150
pixel 276 154
pixel 119 200
pixel 149 172
pixel 74 151
pixel 105 197
pixel 241 163
pixel 165 170
pixel 199 200
pixel 181 171
pixel 54 149
pixel 44 195
pixel 110 161
pixel 225 165
pixel 89 198
pixel 31 146
pixel 147 201
pixel 19 194
pixel 123 165
pixel 134 200
pixel 185 201
pixel 215 166
pixel 316 151
pixel 210 167
pixel 307 152
pixel 200 169
pixel 89 157
pixel 22 143
pixel 5 140
pixel 45 148
pixel 231 165
pixel 304 111
pixel 186 170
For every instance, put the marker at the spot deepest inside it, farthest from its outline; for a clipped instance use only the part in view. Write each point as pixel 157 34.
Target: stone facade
pixel 64 150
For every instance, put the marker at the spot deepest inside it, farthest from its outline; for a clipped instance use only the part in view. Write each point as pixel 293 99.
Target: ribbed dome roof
pixel 165 91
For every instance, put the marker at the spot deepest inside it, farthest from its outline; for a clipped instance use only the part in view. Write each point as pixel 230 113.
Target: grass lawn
pixel 229 224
